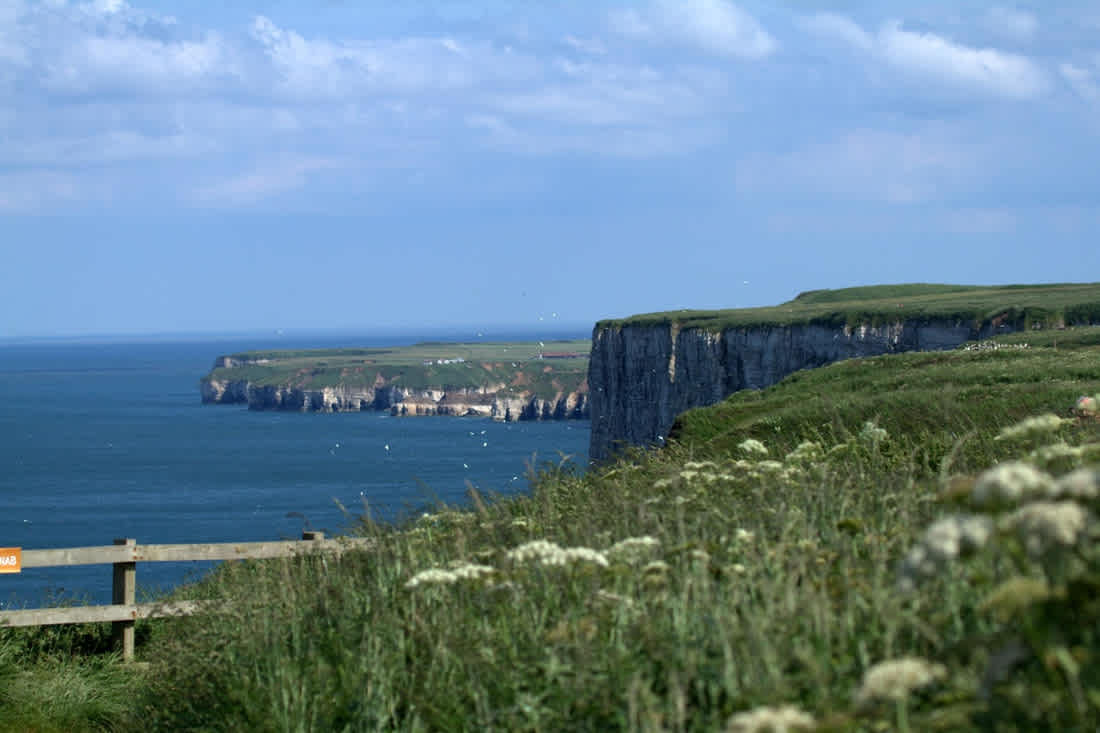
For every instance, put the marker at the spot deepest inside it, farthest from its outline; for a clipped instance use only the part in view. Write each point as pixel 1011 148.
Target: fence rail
pixel 124 555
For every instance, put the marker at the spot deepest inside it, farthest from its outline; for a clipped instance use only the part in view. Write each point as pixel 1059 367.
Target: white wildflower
pixel 806 452
pixel 770 720
pixel 752 446
pixel 700 555
pixel 743 535
pixel 1038 425
pixel 519 522
pixel 688 475
pixel 1051 453
pixel 872 433
pixel 696 465
pixel 896 679
pixel 550 553
pixel 663 483
pixel 533 550
pixel 1045 524
pixel 737 568
pixel 432 576
pixel 1010 483
pixel 1082 484
pixel 472 571
pixel 943 541
pixel 633 548
pixel 769 467
pixel 657 567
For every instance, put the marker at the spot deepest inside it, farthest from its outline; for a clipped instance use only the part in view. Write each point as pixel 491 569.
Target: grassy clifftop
pixel 750 574
pixel 1019 305
pixel 530 367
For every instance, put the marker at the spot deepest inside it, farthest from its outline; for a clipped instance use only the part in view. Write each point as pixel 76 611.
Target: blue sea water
pixel 106 440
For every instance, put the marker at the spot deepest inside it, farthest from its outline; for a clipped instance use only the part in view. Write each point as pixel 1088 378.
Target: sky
pixel 193 166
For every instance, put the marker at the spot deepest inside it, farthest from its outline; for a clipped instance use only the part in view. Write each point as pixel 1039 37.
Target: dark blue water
pixel 99 441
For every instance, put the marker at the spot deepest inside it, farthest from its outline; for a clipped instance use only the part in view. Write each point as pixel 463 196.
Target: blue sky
pixel 171 166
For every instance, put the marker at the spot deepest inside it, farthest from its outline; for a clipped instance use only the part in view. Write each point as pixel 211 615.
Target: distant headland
pixel 505 381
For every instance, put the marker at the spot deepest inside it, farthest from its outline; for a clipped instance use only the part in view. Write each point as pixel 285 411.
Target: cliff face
pixel 488 401
pixel 642 377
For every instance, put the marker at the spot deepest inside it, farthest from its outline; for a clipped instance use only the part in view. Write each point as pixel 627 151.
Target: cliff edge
pixel 647 369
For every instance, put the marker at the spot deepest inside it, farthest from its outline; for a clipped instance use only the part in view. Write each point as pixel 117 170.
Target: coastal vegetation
pixel 540 369
pixel 1018 306
pixel 902 542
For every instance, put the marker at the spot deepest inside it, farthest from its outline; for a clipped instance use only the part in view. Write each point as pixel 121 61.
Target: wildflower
pixel 737 568
pixel 657 567
pixel 1082 484
pixel 688 475
pixel 663 483
pixel 633 548
pixel 770 720
pixel 806 452
pixel 872 433
pixel 519 522
pixel 1038 425
pixel 695 465
pixel 943 541
pixel 550 553
pixel 472 571
pixel 432 576
pixel 896 679
pixel 701 555
pixel 1051 453
pixel 752 446
pixel 1045 524
pixel 769 466
pixel 1009 484
pixel 743 535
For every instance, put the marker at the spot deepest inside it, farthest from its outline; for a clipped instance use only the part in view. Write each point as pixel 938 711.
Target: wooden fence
pixel 124 556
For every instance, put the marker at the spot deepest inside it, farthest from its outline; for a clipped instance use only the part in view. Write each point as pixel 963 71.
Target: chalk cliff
pixel 642 376
pixel 494 400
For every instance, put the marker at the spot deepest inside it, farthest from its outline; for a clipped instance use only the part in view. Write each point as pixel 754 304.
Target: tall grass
pixel 750 565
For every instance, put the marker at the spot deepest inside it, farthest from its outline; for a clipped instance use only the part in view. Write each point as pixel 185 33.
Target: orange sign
pixel 11 559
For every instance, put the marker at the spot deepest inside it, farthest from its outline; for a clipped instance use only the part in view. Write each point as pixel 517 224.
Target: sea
pixel 108 439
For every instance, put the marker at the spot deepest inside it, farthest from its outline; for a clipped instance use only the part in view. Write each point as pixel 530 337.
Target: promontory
pixel 504 381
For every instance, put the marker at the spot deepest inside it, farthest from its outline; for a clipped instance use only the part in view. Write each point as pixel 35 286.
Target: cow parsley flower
pixel 872 433
pixel 471 571
pixel 752 446
pixel 1043 525
pixel 770 720
pixel 550 553
pixel 807 452
pixel 1082 484
pixel 633 548
pixel 896 679
pixel 1038 425
pixel 432 576
pixel 943 541
pixel 1009 484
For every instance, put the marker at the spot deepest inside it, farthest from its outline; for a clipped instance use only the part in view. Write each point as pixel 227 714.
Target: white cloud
pixel 715 26
pixel 937 60
pixel 143 63
pixel 1000 73
pixel 1017 25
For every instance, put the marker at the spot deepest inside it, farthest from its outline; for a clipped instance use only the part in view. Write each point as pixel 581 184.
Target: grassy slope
pixel 1022 304
pixel 486 364
pixel 769 583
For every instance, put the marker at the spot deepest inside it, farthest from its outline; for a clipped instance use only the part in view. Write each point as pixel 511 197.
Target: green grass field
pixel 516 365
pixel 770 565
pixel 1020 305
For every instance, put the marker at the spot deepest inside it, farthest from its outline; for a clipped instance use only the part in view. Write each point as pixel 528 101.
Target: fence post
pixel 123 590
